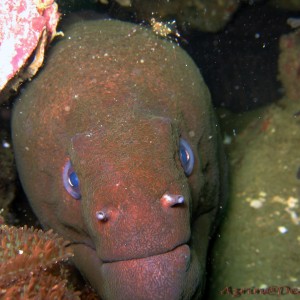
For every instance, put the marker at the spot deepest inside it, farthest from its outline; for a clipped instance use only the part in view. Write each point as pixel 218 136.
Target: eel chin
pixel 172 275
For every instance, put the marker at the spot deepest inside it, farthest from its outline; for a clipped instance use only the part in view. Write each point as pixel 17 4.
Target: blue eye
pixel 186 156
pixel 71 181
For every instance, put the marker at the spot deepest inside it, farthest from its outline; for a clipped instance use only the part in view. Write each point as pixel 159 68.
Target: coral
pixel 32 265
pixel 26 28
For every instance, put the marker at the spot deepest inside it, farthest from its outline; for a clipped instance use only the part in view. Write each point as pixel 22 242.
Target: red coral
pixel 21 26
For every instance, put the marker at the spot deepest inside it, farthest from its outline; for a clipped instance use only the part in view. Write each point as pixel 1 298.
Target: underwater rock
pixel 25 26
pixel 286 4
pixel 118 150
pixel 289 64
pixel 126 3
pixel 203 15
pixel 258 243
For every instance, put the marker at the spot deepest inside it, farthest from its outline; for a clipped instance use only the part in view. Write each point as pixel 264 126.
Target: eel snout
pixel 135 227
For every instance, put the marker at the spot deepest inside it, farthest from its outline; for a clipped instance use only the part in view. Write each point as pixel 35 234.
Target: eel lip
pixel 183 250
pixel 108 261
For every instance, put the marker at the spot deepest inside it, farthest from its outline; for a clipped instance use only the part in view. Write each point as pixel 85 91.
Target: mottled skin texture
pixel 114 99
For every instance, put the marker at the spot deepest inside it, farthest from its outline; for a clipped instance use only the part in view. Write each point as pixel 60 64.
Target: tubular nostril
pixel 101 216
pixel 170 200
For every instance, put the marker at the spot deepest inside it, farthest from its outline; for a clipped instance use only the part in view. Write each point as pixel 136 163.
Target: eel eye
pixel 71 181
pixel 186 156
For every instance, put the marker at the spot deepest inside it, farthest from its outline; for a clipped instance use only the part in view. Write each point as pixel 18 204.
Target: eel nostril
pixel 102 216
pixel 170 200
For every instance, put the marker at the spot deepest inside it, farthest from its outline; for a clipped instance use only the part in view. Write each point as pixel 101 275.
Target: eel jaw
pixel 172 275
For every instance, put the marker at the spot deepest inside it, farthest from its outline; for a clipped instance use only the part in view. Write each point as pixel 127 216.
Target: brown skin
pixel 115 99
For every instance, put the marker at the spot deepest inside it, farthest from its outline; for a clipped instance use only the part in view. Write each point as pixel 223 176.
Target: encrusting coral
pixel 32 265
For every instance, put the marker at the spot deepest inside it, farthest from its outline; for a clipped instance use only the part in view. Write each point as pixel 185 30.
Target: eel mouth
pixel 161 276
pixel 109 261
pixel 91 246
pixel 168 275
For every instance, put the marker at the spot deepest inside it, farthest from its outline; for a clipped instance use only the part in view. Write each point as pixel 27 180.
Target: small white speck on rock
pixel 282 229
pixel 256 204
pixel 5 144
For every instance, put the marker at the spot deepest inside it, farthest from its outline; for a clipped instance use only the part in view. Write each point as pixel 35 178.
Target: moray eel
pixel 118 150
